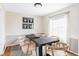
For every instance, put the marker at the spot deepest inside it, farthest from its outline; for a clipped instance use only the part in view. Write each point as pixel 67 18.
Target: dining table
pixel 42 41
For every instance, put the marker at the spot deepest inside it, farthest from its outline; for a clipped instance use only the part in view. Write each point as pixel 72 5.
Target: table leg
pixel 40 51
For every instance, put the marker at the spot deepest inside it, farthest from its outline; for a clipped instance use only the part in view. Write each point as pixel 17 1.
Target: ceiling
pixel 29 9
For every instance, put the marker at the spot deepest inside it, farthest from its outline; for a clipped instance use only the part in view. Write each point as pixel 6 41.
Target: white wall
pixel 14 24
pixel 74 18
pixel 78 47
pixel 73 21
pixel 2 29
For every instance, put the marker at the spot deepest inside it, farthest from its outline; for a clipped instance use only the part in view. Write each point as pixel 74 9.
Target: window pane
pixel 58 27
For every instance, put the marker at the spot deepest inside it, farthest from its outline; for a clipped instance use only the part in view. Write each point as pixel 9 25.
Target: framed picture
pixel 25 20
pixel 31 20
pixel 28 23
pixel 30 26
pixel 25 26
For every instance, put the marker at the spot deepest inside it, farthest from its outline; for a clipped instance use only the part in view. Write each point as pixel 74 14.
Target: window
pixel 58 26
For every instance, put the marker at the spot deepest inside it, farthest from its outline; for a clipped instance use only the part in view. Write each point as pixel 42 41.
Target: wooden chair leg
pixel 30 53
pixel 27 50
pixel 46 50
pixel 65 53
pixel 52 52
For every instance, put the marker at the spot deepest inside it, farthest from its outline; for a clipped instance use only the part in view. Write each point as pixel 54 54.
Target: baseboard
pixel 73 52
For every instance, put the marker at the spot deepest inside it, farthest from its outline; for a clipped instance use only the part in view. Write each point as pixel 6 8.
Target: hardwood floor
pixel 9 51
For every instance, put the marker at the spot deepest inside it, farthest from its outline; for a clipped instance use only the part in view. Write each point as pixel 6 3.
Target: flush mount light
pixel 37 5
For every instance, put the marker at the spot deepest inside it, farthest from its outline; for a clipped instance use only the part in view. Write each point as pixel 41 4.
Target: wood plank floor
pixel 8 52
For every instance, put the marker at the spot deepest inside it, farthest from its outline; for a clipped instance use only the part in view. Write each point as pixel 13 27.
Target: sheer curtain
pixel 58 26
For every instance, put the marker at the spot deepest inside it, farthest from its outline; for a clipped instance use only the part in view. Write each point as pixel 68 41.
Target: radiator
pixel 74 46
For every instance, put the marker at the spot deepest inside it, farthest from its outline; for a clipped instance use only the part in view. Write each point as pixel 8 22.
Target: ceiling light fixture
pixel 37 5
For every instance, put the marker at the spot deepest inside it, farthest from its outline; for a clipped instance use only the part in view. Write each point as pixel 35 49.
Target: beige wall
pixel 14 24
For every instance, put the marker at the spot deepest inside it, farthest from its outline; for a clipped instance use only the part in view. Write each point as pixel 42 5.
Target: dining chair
pixel 47 46
pixel 27 46
pixel 24 45
pixel 41 34
pixel 32 48
pixel 58 46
